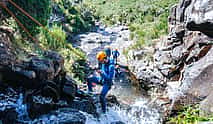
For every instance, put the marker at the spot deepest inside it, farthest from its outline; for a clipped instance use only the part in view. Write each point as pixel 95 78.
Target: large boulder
pixel 42 75
pixel 198 77
pixel 199 16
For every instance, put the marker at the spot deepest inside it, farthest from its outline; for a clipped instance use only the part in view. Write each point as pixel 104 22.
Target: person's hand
pixel 99 71
pixel 116 66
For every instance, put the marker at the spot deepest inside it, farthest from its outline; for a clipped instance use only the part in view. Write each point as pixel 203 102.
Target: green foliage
pixel 75 62
pixel 147 19
pixel 53 39
pixel 79 70
pixel 189 115
pixel 39 9
pixel 74 58
pixel 79 17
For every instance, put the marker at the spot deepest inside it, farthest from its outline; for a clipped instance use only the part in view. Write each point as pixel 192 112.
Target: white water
pixel 139 110
pixel 138 113
pixel 21 109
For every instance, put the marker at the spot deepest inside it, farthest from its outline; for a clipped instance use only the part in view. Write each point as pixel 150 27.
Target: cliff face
pixel 189 39
pixel 184 59
pixel 191 32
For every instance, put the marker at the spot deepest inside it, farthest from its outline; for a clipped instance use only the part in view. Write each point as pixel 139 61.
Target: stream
pixel 135 107
pixel 139 110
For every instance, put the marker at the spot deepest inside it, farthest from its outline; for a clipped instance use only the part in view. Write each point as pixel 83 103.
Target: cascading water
pixel 138 113
pixel 21 109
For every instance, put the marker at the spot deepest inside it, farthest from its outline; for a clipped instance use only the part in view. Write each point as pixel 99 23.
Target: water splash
pixel 21 109
pixel 138 113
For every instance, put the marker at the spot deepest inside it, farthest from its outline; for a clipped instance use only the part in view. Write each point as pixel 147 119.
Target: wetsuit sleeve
pixel 111 73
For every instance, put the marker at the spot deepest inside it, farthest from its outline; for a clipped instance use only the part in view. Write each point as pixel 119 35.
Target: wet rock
pixel 137 55
pixel 85 105
pixel 62 116
pixel 9 116
pixel 112 100
pixel 57 59
pixel 45 74
pixel 39 105
pixel 69 88
pixel 118 122
pixel 162 57
pixel 43 68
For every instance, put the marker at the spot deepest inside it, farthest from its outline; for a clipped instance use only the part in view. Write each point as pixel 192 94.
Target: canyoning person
pixel 115 54
pixel 105 79
pixel 108 51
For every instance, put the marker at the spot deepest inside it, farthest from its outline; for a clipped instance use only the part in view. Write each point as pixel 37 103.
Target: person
pixel 107 50
pixel 115 55
pixel 105 79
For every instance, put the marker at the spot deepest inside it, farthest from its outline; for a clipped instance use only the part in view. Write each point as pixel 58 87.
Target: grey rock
pixel 206 106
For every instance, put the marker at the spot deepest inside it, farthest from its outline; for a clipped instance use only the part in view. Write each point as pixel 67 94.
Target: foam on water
pixel 138 113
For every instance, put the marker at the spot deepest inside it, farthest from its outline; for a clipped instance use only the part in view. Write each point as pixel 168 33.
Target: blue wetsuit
pixel 107 74
pixel 115 55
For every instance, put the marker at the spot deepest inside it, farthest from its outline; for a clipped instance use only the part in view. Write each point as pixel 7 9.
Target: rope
pixel 25 13
pixel 34 20
pixel 19 23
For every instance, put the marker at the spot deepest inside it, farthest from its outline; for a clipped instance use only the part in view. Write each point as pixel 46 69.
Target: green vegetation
pixel 189 115
pixel 147 19
pixel 55 39
pixel 76 18
pixel 39 9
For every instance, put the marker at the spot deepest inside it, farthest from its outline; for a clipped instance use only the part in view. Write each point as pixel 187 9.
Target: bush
pixel 78 17
pixel 189 115
pixel 53 39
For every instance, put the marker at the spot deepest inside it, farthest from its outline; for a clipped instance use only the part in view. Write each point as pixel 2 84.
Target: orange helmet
pixel 101 56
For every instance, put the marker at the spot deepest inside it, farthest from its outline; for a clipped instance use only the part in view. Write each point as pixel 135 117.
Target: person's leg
pixel 104 92
pixel 91 80
pixel 99 65
pixel 116 60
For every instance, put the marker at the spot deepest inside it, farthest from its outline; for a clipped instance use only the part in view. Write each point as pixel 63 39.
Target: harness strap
pixel 19 23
